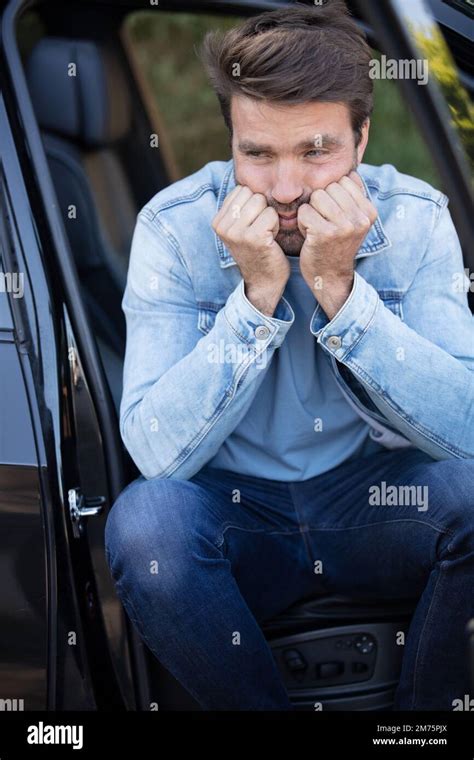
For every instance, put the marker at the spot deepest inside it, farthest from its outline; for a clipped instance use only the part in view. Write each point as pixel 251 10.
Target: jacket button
pixel 334 341
pixel 261 332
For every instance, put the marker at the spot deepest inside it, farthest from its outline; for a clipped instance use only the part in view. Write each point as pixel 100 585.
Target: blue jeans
pixel 198 564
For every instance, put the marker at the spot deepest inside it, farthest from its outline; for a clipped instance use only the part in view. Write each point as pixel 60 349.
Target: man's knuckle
pixel 332 232
pixel 363 223
pixel 232 236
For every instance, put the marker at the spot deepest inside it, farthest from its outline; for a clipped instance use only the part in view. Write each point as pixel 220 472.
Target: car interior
pixel 334 652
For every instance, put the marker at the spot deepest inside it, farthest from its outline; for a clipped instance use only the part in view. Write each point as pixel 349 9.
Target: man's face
pixel 286 152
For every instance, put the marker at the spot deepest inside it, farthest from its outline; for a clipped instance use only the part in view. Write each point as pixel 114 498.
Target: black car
pixel 65 641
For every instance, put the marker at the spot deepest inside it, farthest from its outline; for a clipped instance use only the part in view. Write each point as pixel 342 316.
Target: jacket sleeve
pixel 185 392
pixel 418 370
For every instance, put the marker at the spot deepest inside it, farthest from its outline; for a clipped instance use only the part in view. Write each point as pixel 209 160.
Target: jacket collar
pixel 375 241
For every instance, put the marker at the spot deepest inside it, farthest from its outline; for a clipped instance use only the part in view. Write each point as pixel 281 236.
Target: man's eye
pixel 315 153
pixel 255 153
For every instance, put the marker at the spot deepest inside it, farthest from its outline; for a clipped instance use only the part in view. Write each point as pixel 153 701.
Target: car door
pixel 23 557
pixel 63 464
pixel 37 598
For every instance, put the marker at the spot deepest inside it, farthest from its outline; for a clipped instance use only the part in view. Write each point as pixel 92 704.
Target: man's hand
pixel 248 227
pixel 334 223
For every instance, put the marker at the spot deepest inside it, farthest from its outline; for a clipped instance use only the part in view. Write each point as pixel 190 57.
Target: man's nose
pixel 287 186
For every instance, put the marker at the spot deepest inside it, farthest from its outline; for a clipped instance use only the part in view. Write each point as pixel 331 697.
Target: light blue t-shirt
pixel 299 424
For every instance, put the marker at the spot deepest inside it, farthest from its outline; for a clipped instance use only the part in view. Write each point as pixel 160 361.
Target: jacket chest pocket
pixel 207 313
pixel 392 299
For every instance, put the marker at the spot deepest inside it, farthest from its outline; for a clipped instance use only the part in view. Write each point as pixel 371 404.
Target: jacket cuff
pixel 339 335
pixel 252 326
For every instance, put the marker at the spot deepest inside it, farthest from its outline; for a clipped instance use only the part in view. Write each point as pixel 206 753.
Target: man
pixel 298 384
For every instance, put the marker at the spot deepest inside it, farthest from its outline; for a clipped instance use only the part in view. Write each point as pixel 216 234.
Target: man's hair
pixel 293 55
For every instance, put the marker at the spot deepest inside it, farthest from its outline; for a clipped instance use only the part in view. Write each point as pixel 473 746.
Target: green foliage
pixel 166 45
pixel 441 65
pixel 395 137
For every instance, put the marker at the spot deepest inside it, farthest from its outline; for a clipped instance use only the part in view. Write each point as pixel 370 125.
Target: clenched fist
pixel 248 226
pixel 334 223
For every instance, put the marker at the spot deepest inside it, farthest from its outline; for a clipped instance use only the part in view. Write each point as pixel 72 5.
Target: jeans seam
pixel 125 600
pixel 123 596
pixel 429 524
pixel 255 530
pixel 425 629
pixel 303 528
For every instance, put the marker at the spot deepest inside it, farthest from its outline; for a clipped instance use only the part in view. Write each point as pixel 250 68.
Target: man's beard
pixel 291 241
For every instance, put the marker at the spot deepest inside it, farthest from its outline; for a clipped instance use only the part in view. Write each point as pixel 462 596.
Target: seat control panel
pixel 337 659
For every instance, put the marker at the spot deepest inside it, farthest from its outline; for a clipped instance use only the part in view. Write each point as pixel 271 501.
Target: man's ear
pixel 364 139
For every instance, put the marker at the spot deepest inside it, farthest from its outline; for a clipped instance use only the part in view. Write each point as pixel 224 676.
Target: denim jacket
pixel 401 347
